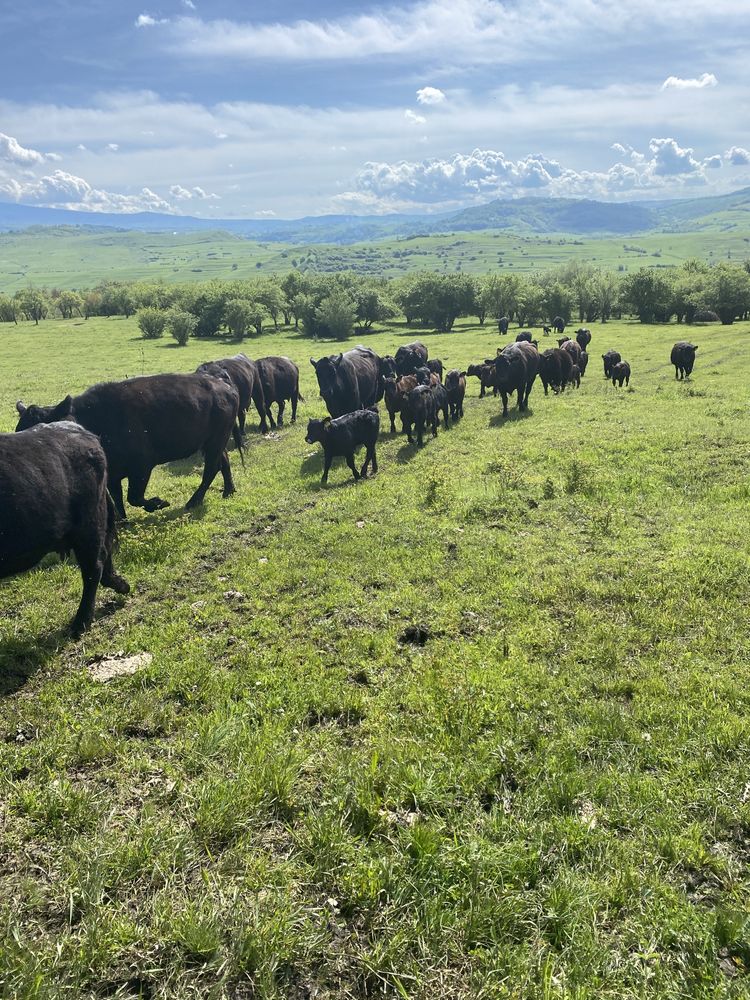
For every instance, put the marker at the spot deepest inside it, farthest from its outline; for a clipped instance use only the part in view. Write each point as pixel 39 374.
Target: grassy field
pixel 548 798
pixel 68 258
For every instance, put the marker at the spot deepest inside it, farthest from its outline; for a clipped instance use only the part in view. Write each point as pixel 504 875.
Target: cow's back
pixel 52 484
pixel 156 418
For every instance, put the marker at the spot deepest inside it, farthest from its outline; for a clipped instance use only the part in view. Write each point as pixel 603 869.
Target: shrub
pixel 705 316
pixel 181 325
pixel 152 323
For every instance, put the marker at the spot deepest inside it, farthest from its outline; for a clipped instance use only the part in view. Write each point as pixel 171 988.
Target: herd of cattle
pixel 61 473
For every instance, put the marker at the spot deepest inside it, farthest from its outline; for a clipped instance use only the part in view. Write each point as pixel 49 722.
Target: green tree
pixel 336 315
pixel 8 310
pixel 151 322
pixel 238 316
pixel 649 295
pixel 69 303
pixel 33 303
pixel 269 296
pixel 727 291
pixel 373 305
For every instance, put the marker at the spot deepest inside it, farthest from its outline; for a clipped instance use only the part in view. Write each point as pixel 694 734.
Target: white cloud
pixel 113 147
pixel 12 151
pixel 64 190
pixel 478 31
pixel 484 174
pixel 694 83
pixel 266 213
pixel 430 95
pixel 737 156
pixel 670 160
pixel 147 21
pixel 189 4
pixel 414 118
pixel 186 194
pixel 54 157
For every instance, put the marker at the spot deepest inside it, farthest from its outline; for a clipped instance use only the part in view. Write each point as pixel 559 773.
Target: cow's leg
pixel 271 421
pixel 213 461
pixel 115 491
pixel 393 422
pixel 352 466
pixel 241 421
pixel 137 483
pixel 91 566
pixel 280 418
pixel 260 405
pixel 373 460
pixel 505 402
pixel 326 467
pixel 226 473
pixel 295 398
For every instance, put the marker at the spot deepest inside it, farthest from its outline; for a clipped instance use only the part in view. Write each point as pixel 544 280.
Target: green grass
pixel 67 258
pixel 548 799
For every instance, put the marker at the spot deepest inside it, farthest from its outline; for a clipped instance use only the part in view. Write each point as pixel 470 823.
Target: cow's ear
pixel 20 407
pixel 339 359
pixel 313 362
pixel 462 374
pixel 64 409
pixel 695 347
pixel 325 421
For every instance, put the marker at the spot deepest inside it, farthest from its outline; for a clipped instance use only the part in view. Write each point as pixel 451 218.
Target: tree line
pixel 336 305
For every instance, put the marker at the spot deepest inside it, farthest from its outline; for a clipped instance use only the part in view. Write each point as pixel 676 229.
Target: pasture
pixel 66 257
pixel 478 726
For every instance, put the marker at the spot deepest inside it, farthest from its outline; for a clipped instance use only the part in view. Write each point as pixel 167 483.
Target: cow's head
pixel 30 416
pixel 327 370
pixel 388 366
pixel 316 429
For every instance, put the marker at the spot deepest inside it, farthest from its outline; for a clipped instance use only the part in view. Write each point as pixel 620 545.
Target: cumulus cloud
pixel 180 193
pixel 113 147
pixel 692 83
pixel 737 156
pixel 12 151
pixel 414 118
pixel 64 190
pixel 430 95
pixel 484 174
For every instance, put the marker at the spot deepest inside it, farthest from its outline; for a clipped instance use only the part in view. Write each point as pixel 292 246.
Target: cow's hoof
pixel 117 583
pixel 78 627
pixel 228 493
pixel 154 504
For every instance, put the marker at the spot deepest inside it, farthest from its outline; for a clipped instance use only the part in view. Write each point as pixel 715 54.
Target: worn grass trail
pixel 549 798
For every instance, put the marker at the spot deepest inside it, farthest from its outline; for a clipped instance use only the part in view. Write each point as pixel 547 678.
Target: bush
pixel 705 316
pixel 182 326
pixel 152 323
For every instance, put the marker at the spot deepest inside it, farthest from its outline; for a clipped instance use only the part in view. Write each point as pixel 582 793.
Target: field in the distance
pixel 64 257
pixel 549 798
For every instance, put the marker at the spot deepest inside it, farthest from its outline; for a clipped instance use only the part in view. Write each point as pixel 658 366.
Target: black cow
pixel 243 375
pixel 147 421
pixel 620 373
pixel 547 330
pixel 420 411
pixel 574 349
pixel 575 376
pixel 583 336
pixel 343 435
pixel 583 362
pixel 425 376
pixel 683 358
pixel 487 376
pixel 555 369
pixel 395 393
pixel 503 324
pixel 516 366
pixel 455 386
pixel 279 379
pixel 410 356
pixel 388 366
pixel 350 381
pixel 558 324
pixel 441 402
pixel 524 335
pixel 53 498
pixel 435 365
pixel 610 359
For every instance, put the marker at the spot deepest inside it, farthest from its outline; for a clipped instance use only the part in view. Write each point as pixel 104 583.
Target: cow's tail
pixel 300 397
pixel 113 538
pixel 237 435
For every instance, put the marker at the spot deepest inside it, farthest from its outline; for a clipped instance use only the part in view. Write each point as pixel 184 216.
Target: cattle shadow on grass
pixel 23 656
pixel 514 415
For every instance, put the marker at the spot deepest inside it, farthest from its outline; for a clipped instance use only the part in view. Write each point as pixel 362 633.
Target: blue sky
pixel 223 109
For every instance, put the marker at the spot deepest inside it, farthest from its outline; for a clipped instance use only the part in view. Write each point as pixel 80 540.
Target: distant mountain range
pixel 531 215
